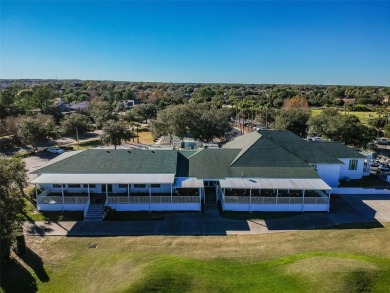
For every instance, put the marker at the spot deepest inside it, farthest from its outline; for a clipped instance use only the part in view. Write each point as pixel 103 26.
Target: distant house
pixel 265 170
pixel 73 107
pixel 131 103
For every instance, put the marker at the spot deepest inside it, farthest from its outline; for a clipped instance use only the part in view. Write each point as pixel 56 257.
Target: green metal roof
pixel 264 154
pixel 100 161
pixel 212 163
pixel 311 152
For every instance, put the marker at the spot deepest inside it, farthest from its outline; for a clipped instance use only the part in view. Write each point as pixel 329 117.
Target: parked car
pixel 55 150
pixel 315 138
pixel 383 141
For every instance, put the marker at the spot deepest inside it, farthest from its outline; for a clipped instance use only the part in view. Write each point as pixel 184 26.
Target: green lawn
pixel 338 260
pixel 364 117
pixel 30 213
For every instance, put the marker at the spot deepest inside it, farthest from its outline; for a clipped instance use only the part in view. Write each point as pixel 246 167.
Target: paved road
pixel 345 210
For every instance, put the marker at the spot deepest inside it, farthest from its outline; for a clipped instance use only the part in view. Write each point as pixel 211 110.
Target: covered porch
pixel 261 194
pixel 138 192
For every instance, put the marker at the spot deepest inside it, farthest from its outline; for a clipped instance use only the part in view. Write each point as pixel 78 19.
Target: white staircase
pixel 95 212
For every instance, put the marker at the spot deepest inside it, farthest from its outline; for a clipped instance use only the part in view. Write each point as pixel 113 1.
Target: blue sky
pixel 308 42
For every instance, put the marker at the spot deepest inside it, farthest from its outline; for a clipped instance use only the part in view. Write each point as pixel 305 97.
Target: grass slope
pixel 322 261
pixel 364 117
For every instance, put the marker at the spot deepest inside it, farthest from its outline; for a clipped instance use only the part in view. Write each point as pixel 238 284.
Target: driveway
pixel 346 209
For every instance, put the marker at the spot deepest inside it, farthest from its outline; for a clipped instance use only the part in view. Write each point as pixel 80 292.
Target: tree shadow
pixel 16 278
pixel 35 262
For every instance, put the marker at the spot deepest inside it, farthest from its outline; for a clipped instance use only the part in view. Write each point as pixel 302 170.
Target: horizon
pixel 190 82
pixel 273 42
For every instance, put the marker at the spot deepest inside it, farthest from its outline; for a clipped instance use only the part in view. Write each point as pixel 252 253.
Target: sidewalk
pixel 347 209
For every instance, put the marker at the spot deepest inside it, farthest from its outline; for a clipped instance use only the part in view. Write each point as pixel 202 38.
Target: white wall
pixel 157 207
pixel 275 207
pixel 354 191
pixel 164 188
pixel 59 207
pixel 330 173
pixel 352 174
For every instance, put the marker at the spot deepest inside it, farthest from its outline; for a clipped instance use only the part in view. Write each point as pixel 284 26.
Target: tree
pixel 144 112
pixel 101 112
pixel 43 98
pixel 209 123
pixel 33 129
pixel 387 130
pixel 7 99
pixel 345 128
pixel 199 121
pixel 378 123
pixel 296 103
pixel 76 120
pixel 114 132
pixel 13 175
pixel 293 120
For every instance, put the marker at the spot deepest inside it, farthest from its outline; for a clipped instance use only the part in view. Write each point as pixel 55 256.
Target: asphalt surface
pixel 345 209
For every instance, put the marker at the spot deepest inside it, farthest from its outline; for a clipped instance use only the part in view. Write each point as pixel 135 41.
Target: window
pixel 353 164
pixel 139 185
pixel 122 185
pixel 155 185
pixel 56 185
pixel 74 185
pixel 92 185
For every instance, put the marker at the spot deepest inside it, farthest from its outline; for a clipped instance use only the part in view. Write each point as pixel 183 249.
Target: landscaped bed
pixel 369 181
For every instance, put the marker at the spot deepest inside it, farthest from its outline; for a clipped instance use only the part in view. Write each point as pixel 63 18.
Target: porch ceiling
pixel 269 183
pixel 188 183
pixel 105 179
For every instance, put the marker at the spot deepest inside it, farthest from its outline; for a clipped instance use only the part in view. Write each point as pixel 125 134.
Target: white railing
pixel 153 199
pixel 86 208
pixel 75 199
pixel 185 199
pixel 117 199
pixel 55 199
pixel 51 199
pixel 275 200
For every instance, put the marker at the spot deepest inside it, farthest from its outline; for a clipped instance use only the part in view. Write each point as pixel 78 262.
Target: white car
pixel 55 150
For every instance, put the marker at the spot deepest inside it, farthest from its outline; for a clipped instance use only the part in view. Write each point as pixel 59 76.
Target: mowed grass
pixel 321 261
pixel 364 117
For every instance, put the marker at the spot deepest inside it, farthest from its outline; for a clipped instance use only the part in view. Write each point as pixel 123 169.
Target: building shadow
pixel 16 278
pixel 346 212
pixel 173 224
pixel 34 261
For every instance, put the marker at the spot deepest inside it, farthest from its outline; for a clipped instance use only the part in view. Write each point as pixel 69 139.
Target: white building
pixel 261 171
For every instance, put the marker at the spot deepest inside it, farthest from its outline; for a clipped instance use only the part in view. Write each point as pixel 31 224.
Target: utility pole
pixel 77 137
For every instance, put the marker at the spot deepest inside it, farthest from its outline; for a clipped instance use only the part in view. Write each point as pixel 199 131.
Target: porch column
pixel 89 195
pixel 204 196
pixel 150 197
pixel 171 192
pixel 106 191
pixel 277 194
pixel 303 199
pixel 63 198
pixel 329 200
pixel 128 193
pixel 250 200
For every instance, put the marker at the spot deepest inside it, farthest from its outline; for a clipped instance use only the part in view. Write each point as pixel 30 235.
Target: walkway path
pixel 348 209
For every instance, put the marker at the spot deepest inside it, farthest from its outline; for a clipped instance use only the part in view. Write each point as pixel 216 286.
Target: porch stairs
pixel 95 212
